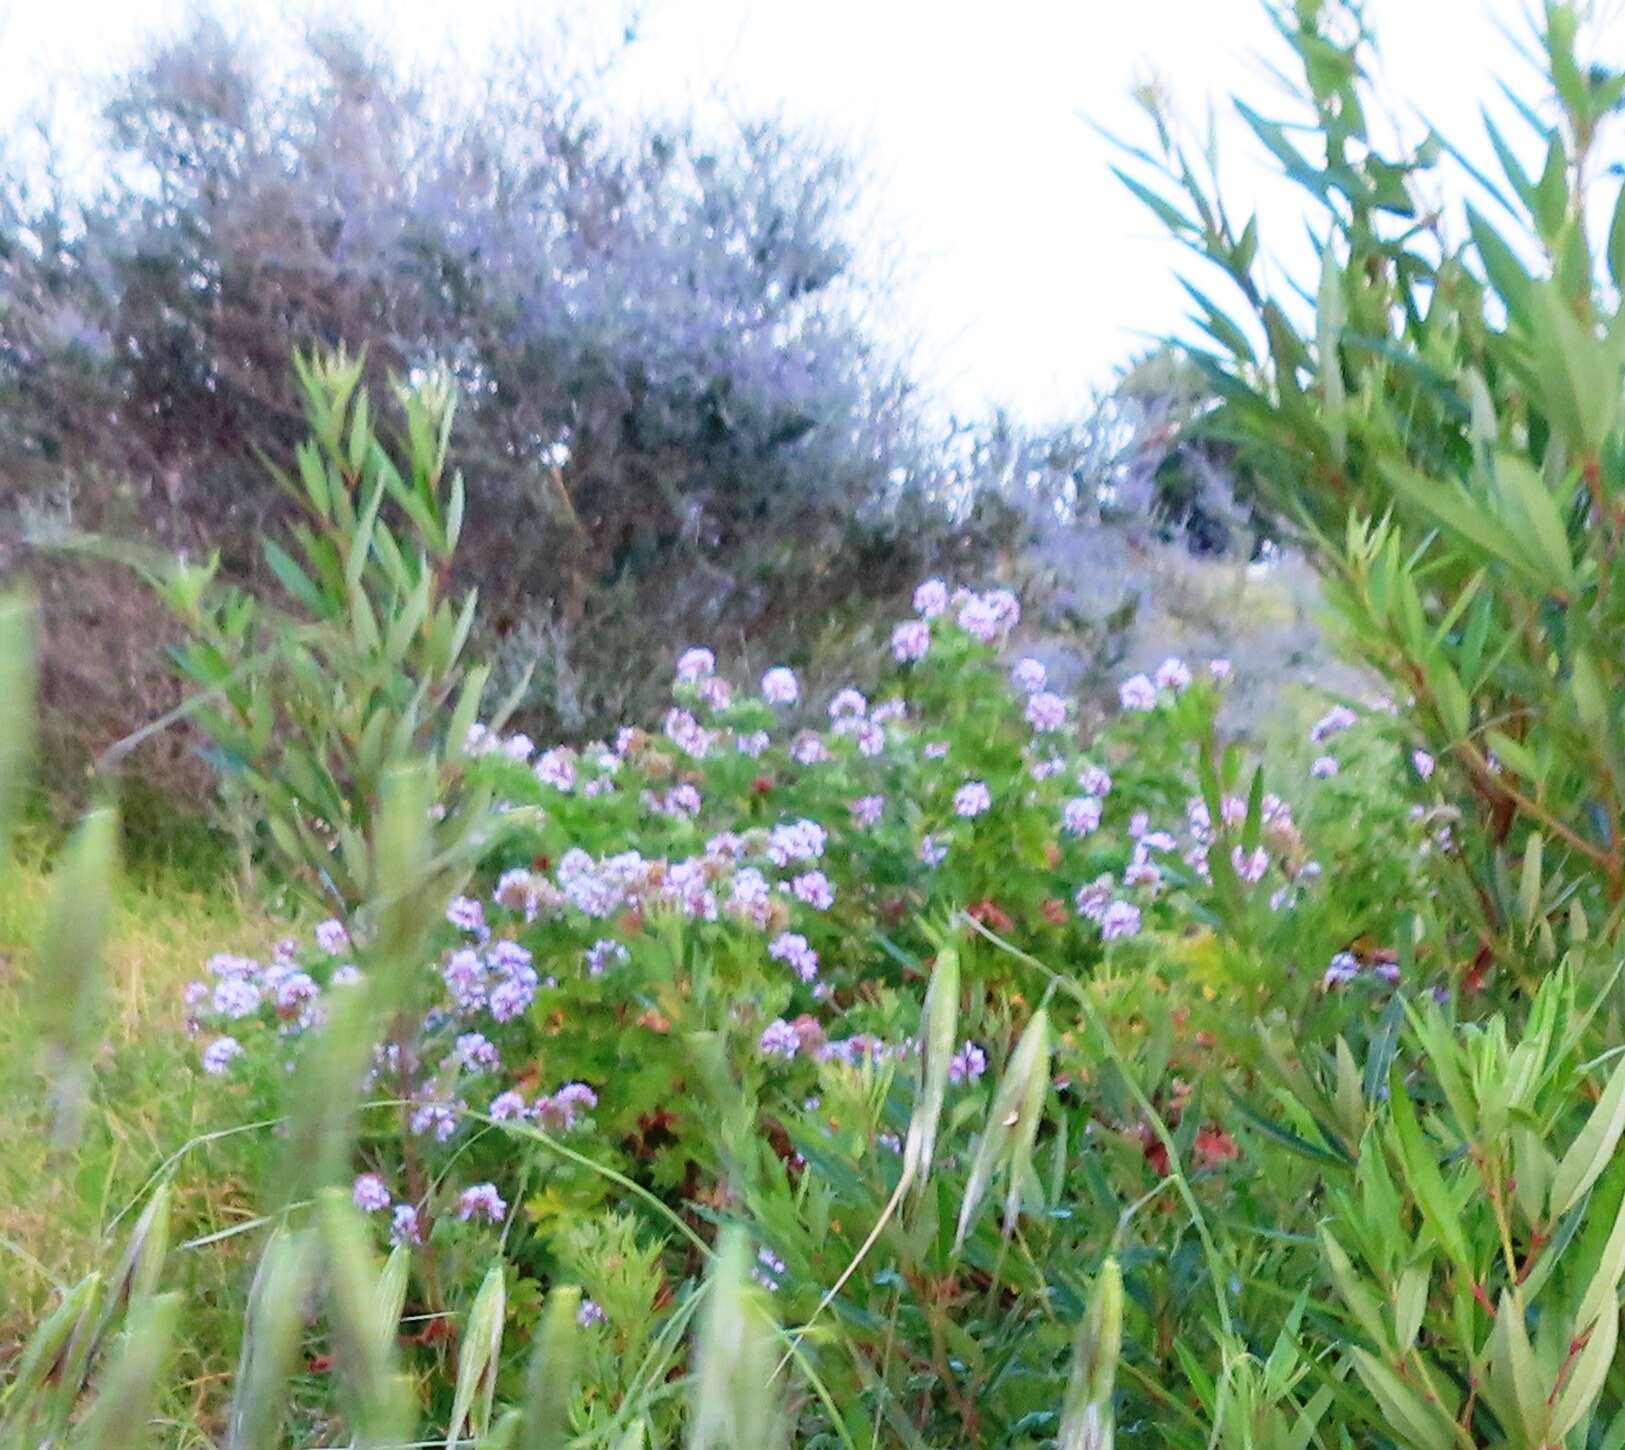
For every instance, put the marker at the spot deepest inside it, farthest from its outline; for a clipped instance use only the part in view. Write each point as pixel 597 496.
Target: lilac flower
pixel 1172 674
pixel 1006 608
pixel 234 997
pixel 1080 816
pixel 889 710
pixel 510 998
pixel 331 937
pixel 369 1194
pixel 931 598
pixel 780 687
pixel 932 851
pixel 519 748
pixel 911 641
pixel 557 768
pixel 694 664
pixel 603 954
pixel 1028 675
pixel 509 956
pixel 567 1106
pixel 687 734
pixel 1423 763
pixel 1137 693
pixel 464 976
pixel 1324 767
pixel 768 1270
pixel 1157 841
pixel 1046 711
pixel 1335 720
pixel 481 1201
pixel 295 998
pixel 968 1064
pixel 749 896
pixel 218 1055
pixel 683 800
pixel 479 740
pixel 1220 669
pixel 1345 966
pixel 871 738
pixel 752 744
pixel 716 692
pixel 979 619
pixel 866 810
pixel 345 975
pixel 791 948
pixel 848 702
pixel 1250 865
pixel 808 749
pixel 780 1039
pixel 815 889
pixel 1120 919
pixel 1044 769
pixel 971 799
pixel 1138 824
pixel 590 1312
pixel 934 749
pixel 1093 898
pixel 801 840
pixel 1095 781
pixel 1141 871
pixel 508 1106
pixel 466 914
pixel 404 1227
pixel 436 1118
pixel 476 1052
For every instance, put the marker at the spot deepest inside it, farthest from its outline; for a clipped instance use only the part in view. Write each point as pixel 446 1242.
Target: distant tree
pixel 671 397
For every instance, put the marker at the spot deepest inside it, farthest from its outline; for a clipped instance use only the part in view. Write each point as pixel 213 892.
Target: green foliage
pixel 311 701
pixel 1438 417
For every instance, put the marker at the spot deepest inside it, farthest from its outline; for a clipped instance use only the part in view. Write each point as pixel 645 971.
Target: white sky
pixel 1030 274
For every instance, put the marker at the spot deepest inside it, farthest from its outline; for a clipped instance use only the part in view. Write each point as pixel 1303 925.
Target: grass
pixel 64 1210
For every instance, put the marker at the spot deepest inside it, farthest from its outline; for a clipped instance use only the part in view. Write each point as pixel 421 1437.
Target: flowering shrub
pixel 694 964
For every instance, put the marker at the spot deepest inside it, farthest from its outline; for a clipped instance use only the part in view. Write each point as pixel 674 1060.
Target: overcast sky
pixel 1030 274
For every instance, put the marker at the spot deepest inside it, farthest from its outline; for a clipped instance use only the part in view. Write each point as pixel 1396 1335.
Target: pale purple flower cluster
pixel 971 799
pixel 1046 711
pixel 931 599
pixel 780 687
pixel 1028 675
pixel 220 1054
pixel 815 889
pixel 988 617
pixel 911 641
pixel 1137 693
pixel 847 704
pixel 481 1200
pixel 566 1108
pixel 769 1269
pixel 780 1039
pixel 791 948
pixel 557 768
pixel 1336 720
pixel 967 1064
pixel 867 810
pixel 369 1193
pixel 1081 815
pixel 1172 674
pixel 603 954
pixel 695 664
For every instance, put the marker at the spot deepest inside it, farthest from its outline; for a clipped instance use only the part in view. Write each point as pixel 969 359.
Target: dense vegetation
pixel 930 1063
